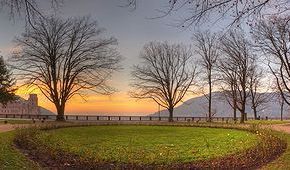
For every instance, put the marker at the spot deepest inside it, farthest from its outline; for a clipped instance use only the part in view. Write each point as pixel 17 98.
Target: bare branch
pixel 65 58
pixel 165 76
pixel 235 68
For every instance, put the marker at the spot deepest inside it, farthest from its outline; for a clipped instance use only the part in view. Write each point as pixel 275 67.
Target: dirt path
pixel 6 127
pixel 281 127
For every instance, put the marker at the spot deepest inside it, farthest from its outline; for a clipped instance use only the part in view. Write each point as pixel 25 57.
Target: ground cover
pixel 149 144
pixel 67 146
pixel 11 158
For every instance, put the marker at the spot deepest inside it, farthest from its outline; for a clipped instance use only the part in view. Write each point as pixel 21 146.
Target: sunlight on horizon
pixel 119 103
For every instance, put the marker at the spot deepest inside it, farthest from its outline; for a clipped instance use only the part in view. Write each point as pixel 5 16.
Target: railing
pixel 125 118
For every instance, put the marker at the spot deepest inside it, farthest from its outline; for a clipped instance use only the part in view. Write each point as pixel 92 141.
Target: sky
pixel 133 29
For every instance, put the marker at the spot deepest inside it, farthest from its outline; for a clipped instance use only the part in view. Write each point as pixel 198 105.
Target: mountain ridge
pixel 198 106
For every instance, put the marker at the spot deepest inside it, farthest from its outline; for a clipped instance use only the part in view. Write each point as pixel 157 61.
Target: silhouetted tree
pixel 165 76
pixel 228 85
pixel 64 58
pixel 7 83
pixel 206 47
pixel 280 100
pixel 236 67
pixel 273 39
pixel 194 11
pixel 257 98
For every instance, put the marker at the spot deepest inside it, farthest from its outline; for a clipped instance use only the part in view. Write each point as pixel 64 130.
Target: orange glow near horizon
pixel 116 104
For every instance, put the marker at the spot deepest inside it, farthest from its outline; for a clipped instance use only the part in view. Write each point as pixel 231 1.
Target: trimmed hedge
pixel 270 146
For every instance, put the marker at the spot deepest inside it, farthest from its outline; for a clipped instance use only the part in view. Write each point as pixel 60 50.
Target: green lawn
pixel 10 158
pixel 148 144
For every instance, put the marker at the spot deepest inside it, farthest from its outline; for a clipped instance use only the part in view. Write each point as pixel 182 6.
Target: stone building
pixel 22 106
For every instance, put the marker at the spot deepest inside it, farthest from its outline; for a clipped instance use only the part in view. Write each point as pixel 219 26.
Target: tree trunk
pixel 235 108
pixel 235 114
pixel 282 109
pixel 170 109
pixel 60 113
pixel 242 117
pixel 243 104
pixel 209 100
pixel 255 113
pixel 243 113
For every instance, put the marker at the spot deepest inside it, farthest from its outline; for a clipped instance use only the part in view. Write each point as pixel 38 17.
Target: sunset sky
pixel 133 29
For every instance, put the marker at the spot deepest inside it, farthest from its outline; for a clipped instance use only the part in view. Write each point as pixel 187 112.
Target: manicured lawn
pixel 10 158
pixel 148 144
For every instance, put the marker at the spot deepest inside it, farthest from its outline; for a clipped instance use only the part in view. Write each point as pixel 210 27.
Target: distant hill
pixel 197 106
pixel 44 111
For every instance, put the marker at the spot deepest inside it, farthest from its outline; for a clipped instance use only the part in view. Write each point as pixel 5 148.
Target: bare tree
pixel 236 67
pixel 273 39
pixel 206 47
pixel 195 11
pixel 277 96
pixel 228 85
pixel 64 58
pixel 257 98
pixel 166 75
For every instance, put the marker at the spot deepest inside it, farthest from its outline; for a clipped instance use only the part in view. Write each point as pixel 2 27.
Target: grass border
pixel 269 148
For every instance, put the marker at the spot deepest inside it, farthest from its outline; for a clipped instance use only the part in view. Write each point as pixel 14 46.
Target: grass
pixel 148 144
pixel 15 121
pixel 10 158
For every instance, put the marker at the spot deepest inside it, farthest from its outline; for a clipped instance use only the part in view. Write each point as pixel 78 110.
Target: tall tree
pixel 206 47
pixel 258 99
pixel 272 37
pixel 228 85
pixel 236 66
pixel 165 76
pixel 7 89
pixel 280 100
pixel 64 58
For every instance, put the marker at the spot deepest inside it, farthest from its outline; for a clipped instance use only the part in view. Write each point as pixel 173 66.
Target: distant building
pixel 22 106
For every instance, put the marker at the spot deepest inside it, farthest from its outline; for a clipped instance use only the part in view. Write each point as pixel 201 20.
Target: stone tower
pixel 33 104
